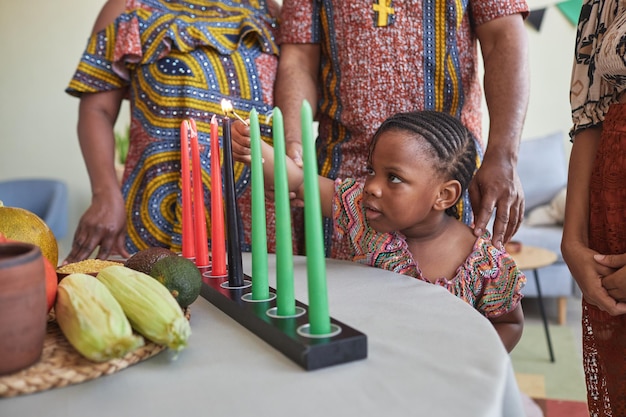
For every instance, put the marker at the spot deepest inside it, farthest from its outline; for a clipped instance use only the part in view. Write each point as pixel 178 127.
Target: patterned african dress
pixel 382 57
pixel 598 79
pixel 488 280
pixel 178 60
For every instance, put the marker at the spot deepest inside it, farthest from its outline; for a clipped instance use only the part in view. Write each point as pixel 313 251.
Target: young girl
pixel 403 217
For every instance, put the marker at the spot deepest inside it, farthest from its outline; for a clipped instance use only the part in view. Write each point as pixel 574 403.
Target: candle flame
pixel 227 108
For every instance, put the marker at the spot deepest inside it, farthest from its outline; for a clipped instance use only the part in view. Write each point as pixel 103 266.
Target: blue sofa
pixel 46 197
pixel 542 167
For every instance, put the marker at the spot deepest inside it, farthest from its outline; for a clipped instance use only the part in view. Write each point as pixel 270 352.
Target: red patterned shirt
pixel 425 58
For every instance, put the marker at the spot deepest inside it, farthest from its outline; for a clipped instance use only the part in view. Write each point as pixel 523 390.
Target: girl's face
pixel 402 184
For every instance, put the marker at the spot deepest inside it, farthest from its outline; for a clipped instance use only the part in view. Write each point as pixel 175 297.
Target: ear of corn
pixel 92 320
pixel 151 309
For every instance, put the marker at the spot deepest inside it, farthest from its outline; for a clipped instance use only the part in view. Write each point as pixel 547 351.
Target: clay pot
pixel 23 316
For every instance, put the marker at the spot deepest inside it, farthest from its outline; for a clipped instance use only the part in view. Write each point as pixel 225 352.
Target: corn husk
pixel 149 306
pixel 92 320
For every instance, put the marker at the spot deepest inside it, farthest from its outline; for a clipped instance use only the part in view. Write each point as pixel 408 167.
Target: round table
pixel 532 258
pixel 429 353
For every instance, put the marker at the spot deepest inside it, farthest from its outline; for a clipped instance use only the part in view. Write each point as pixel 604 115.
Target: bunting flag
pixel 571 10
pixel 535 18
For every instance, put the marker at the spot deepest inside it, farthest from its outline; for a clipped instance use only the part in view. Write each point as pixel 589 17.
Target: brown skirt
pixel 604 336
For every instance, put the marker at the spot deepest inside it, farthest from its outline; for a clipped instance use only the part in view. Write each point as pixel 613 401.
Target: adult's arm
pixel 296 81
pixel 575 242
pixel 103 224
pixel 496 185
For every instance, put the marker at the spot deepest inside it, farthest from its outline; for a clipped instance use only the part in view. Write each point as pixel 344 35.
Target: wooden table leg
pixel 562 310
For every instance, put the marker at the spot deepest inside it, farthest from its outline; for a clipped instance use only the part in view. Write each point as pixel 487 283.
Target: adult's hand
pixel 293 149
pixel 103 225
pixel 497 187
pixel 615 282
pixel 587 268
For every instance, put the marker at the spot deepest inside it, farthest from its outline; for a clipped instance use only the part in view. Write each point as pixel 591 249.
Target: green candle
pixel 319 318
pixel 260 289
pixel 285 298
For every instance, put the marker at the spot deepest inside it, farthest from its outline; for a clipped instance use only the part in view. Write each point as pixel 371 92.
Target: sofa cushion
pixel 542 168
pixel 548 214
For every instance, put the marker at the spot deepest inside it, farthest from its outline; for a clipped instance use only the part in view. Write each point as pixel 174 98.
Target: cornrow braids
pixel 453 144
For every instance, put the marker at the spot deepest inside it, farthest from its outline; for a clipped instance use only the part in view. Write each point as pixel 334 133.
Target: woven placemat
pixel 61 365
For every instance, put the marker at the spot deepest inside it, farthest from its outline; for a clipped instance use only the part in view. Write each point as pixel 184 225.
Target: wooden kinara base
pixel 285 334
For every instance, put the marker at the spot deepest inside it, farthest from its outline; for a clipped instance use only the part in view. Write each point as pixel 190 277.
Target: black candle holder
pixel 286 334
pixel 290 335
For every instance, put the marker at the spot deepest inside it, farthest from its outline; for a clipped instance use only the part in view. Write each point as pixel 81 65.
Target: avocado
pixel 143 260
pixel 180 276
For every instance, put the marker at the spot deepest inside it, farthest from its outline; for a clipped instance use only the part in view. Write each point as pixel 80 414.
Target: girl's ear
pixel 449 194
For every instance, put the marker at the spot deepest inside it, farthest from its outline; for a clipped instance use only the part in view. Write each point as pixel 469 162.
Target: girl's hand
pixel 240 135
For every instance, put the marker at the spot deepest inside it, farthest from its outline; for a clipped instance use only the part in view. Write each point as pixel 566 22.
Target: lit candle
pixel 218 246
pixel 285 298
pixel 319 318
pixel 202 249
pixel 235 267
pixel 227 108
pixel 260 289
pixel 187 211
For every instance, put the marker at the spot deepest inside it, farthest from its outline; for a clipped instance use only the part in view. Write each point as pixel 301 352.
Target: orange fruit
pixel 51 283
pixel 25 226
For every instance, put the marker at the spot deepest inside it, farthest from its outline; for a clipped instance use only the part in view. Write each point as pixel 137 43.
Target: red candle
pixel 187 212
pixel 218 245
pixel 202 247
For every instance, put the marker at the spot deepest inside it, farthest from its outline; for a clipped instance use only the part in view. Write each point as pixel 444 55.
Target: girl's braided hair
pixel 453 145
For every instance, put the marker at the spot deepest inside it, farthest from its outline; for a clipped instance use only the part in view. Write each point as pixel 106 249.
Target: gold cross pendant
pixel 382 9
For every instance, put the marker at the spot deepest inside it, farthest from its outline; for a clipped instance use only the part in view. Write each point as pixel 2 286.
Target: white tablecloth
pixel 429 354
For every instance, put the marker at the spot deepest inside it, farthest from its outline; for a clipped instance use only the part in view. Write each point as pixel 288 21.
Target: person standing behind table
pixel 363 61
pixel 594 231
pixel 426 157
pixel 172 60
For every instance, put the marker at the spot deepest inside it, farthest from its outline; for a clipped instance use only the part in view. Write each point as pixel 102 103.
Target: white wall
pixel 42 42
pixel 551 57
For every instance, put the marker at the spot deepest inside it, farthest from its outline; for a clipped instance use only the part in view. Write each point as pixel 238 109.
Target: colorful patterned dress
pixel 488 280
pixel 598 80
pixel 382 57
pixel 179 59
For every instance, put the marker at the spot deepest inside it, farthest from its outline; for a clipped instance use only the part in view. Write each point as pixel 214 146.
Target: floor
pixel 532 314
pixel 556 408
